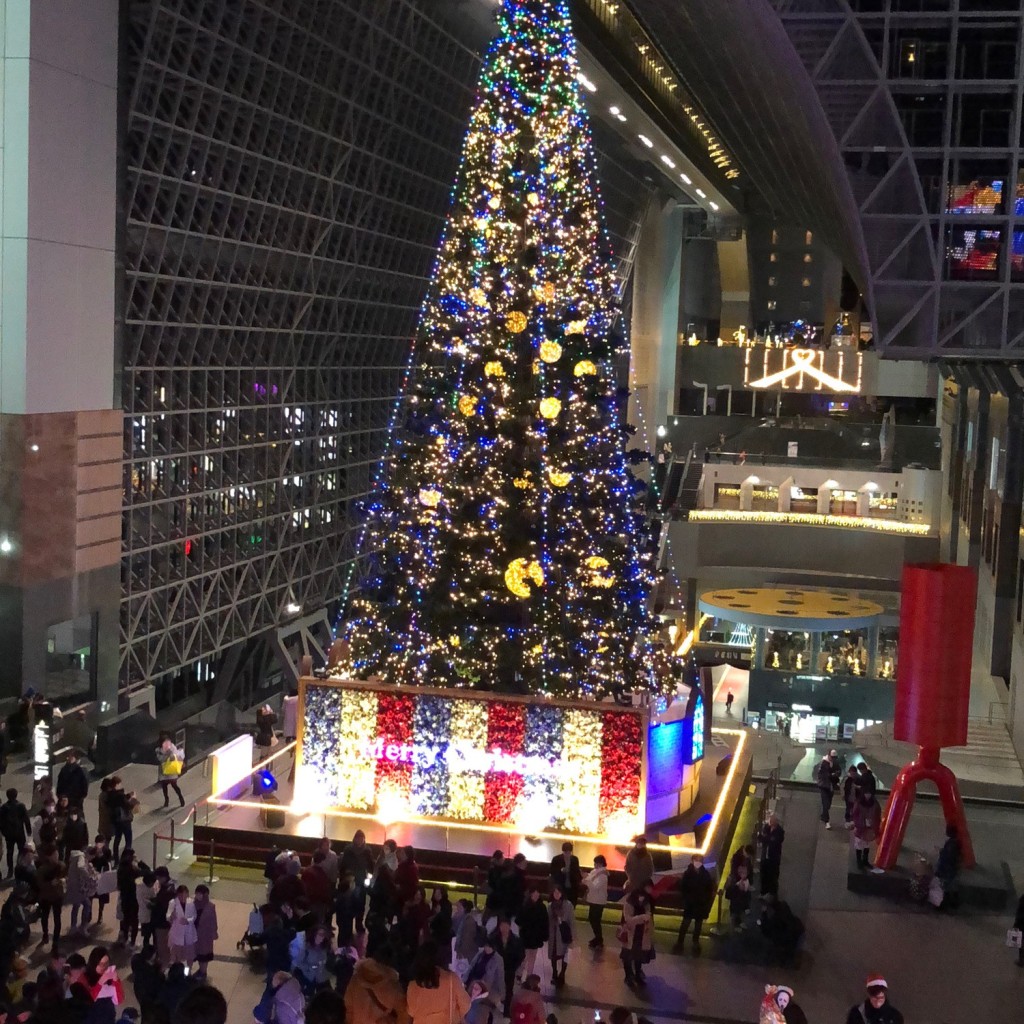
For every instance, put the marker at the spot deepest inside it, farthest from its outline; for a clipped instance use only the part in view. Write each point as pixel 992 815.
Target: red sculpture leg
pixel 901 802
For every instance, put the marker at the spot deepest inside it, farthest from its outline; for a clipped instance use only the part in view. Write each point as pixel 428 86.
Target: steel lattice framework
pixel 877 110
pixel 287 169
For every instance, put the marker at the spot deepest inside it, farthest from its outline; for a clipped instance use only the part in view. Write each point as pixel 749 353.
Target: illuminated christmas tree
pixel 505 529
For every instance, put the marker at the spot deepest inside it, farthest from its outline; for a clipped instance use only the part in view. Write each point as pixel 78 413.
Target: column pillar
pixel 61 430
pixel 956 470
pixel 1008 540
pixel 979 473
pixel 871 671
pixel 654 332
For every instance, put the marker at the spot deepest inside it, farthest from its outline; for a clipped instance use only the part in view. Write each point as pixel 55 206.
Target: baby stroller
pixel 253 937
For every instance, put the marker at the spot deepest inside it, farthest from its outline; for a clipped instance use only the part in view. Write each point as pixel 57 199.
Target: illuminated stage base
pixel 456 854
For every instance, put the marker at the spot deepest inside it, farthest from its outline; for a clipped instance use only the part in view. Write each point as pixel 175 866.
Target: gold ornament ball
pixel 550 408
pixel 516 322
pixel 584 368
pixel 478 296
pixel 494 202
pixel 533 199
pixel 467 405
pixel 494 369
pixel 520 573
pixel 549 292
pixel 429 497
pixel 576 327
pixel 550 351
pixel 558 478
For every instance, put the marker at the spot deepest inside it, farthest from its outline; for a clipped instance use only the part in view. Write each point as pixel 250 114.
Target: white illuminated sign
pixel 803 369
pixel 41 749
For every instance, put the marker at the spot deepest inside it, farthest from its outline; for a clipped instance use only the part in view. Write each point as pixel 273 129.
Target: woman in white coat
pixel 182 937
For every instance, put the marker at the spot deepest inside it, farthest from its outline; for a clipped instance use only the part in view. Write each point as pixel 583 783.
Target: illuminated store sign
pixel 402 753
pixel 42 742
pixel 804 369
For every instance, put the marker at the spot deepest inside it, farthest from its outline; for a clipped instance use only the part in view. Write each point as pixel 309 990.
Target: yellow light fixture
pixel 467 405
pixel 550 351
pixel 584 368
pixel 550 408
pixel 494 369
pixel 515 322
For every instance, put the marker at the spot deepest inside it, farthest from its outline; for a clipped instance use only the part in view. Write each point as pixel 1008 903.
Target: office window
pixel 806 282
pixel 771 281
pixel 808 258
pixel 809 238
pixel 771 304
pixel 773 257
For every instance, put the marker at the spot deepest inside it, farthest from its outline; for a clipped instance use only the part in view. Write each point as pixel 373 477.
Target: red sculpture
pixel 933 689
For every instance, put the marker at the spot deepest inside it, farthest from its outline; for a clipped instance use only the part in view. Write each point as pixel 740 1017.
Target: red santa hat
pixel 876 981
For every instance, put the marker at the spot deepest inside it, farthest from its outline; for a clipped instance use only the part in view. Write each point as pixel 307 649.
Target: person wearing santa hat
pixel 876 1009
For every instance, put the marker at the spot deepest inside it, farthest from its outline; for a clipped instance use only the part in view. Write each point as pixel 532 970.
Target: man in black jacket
pixel 510 948
pixel 876 1009
pixel 566 873
pixel 697 889
pixel 15 827
pixel 773 835
pixel 72 781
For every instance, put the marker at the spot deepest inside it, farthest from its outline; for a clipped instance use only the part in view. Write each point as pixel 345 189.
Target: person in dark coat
pixel 876 1009
pixel 566 873
pixel 867 783
pixel 495 870
pixel 510 948
pixel 826 778
pixel 407 876
pixel 947 868
pixel 357 861
pixel 72 781
pixel 75 835
pixel 851 785
pixel 532 921
pixel 781 927
pixel 773 835
pixel 15 827
pixel 147 980
pixel 1018 923
pixel 697 889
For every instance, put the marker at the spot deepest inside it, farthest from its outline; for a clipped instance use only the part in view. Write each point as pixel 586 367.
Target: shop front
pixel 822 663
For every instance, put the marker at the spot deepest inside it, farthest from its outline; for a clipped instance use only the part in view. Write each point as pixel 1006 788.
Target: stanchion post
pixel 154 846
pixel 170 855
pixel 211 878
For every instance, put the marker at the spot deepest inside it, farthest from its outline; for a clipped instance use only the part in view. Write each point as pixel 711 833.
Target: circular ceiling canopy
pixel 815 611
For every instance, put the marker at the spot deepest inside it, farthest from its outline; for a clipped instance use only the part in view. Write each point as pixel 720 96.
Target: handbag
pixel 622 932
pixel 565 931
pixel 106 883
pixel 1014 938
pixel 171 767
